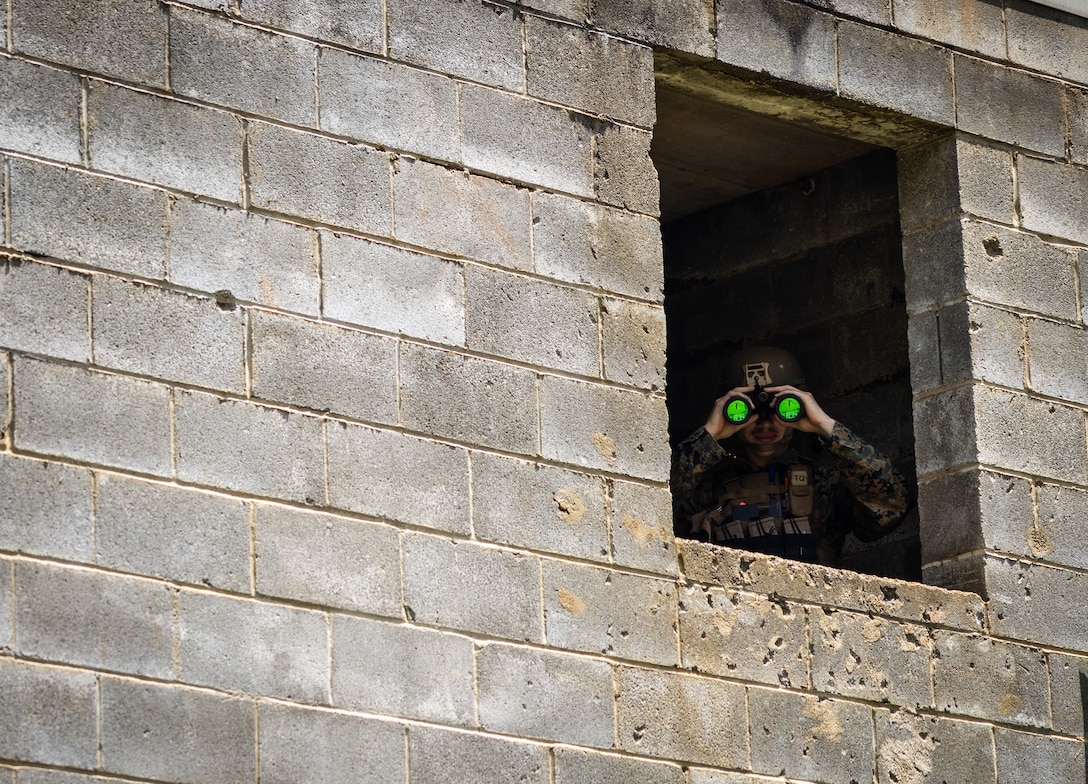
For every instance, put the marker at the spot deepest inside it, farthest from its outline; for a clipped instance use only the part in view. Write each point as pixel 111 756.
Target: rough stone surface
pixel 1068 690
pixel 1057 538
pixel 45 509
pixel 1023 758
pixel 49 714
pixel 911 749
pixel 633 338
pixel 442 757
pixel 1053 198
pixel 945 432
pixel 39 111
pixel 623 172
pixel 574 765
pixel 7 622
pixel 978 28
pixel 642 528
pixel 1053 616
pixel 354 23
pixel 1078 125
pixel 978 342
pixel 1058 359
pixel 1047 40
pixel 43 309
pixel 685 25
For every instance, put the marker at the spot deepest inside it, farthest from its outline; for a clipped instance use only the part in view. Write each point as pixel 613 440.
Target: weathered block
pixel 1068 688
pixel 1035 603
pixel 681 717
pixel 214 60
pixel 128 427
pixel 978 342
pixel 568 9
pixel 909 745
pixel 480 589
pixel 396 476
pixel 89 220
pixel 125 39
pixel 1025 758
pixel 1058 359
pixel 165 142
pixel 603 427
pixel 468 399
pixel 780 38
pixel 583 243
pixel 455 212
pixel 705 776
pixel 49 714
pixel 266 261
pixel 603 611
pixel 172 733
pixel 441 757
pixel 574 765
pixel 945 432
pixel 478 41
pixel 320 366
pixel 686 25
pixel 253 647
pixel 172 533
pixel 386 103
pixel 633 338
pixel 1058 537
pixel 39 111
pixel 300 746
pixel 623 172
pixel 381 286
pixel 239 446
pixel 373 660
pixel 1047 40
pixel 43 309
pixel 354 23
pixel 7 621
pixel 520 139
pixel 642 528
pixel 530 321
pixel 1004 104
pixel 1053 197
pixel 94 619
pixel 590 72
pixel 1078 124
pixel 977 29
pixel 742 636
pixel 321 179
pixel 176 337
pixel 536 506
pixel 46 509
pixel 549 696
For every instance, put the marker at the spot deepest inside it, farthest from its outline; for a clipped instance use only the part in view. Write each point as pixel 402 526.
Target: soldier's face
pixel 767 437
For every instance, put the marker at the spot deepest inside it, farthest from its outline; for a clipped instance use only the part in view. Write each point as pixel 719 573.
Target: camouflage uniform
pixel 854 488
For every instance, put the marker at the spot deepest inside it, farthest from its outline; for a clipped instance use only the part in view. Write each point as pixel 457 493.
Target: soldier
pixel 761 492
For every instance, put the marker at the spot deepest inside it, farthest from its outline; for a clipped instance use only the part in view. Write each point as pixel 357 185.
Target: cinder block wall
pixel 335 437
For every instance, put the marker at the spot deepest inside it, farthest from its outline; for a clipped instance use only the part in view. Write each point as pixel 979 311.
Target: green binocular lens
pixel 737 410
pixel 788 408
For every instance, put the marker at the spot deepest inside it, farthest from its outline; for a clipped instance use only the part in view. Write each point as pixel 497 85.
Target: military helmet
pixel 767 365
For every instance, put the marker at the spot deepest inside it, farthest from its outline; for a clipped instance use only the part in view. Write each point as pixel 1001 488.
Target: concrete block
pixel 173 733
pixel 1003 104
pixel 253 647
pixel 43 309
pixel 176 337
pixel 547 696
pixel 45 509
pixel 945 431
pixel 441 757
pixel 1047 40
pixel 603 427
pixel 967 511
pixel 780 38
pixel 469 399
pixel 7 621
pixel 172 533
pixel 478 41
pixel 39 111
pixel 128 427
pixel 738 635
pixel 458 213
pixel 707 776
pixel 94 620
pixel 591 72
pixel 389 104
pixel 1068 688
pixel 239 446
pixel 49 715
pixel 977 29
pixel 953 174
pixel 980 342
pixel 681 717
pixel 923 339
pixel 164 142
pixel 575 765
pixel 1053 198
pixel 373 661
pixel 810 738
pixel 329 561
pixel 871 658
pixel 1023 758
pixel 531 321
pixel 536 506
pixel 125 39
pixel 910 747
pixel 1078 124
pixel 256 259
pixel 567 9
pixel 633 343
pixel 90 220
pixel 642 528
pixel 687 25
pixel 1057 359
pixel 516 138
pixel 903 74
pixel 396 476
pixel 1036 603
pixel 382 287
pixel 603 611
pixel 353 23
pixel 583 243
pixel 220 62
pixel 623 172
pixel 304 746
pixel 1032 436
pixel 324 367
pixel 1058 537
pixel 320 179
pixel 461 585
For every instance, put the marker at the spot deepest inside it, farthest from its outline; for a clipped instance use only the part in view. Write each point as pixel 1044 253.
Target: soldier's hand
pixel 815 420
pixel 717 425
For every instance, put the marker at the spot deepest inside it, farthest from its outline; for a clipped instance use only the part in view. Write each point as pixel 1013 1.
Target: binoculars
pixel 739 410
